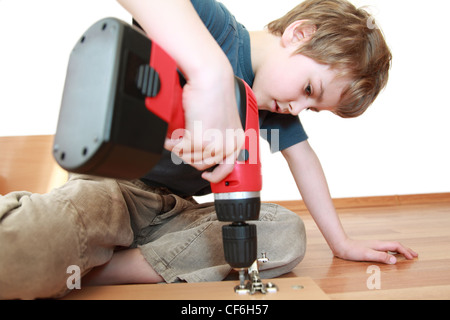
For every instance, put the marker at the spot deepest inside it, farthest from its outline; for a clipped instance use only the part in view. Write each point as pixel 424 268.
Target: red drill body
pixel 122 98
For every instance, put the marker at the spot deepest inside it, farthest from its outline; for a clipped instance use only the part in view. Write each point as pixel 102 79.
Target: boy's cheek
pixel 260 100
pixel 260 94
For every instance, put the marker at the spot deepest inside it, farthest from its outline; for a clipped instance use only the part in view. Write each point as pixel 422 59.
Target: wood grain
pixel 376 201
pixel 423 227
pixel 289 289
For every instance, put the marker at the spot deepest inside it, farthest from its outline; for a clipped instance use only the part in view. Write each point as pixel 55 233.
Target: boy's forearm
pixel 311 182
pixel 176 27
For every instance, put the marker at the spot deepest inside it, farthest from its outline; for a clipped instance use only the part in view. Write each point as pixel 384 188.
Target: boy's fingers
pixel 219 173
pixel 386 253
pixel 169 144
pixel 397 247
pixel 204 157
pixel 382 257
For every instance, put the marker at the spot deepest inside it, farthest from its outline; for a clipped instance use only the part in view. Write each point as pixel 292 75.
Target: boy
pixel 320 56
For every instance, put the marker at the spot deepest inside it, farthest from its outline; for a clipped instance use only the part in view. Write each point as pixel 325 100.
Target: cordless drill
pixel 122 97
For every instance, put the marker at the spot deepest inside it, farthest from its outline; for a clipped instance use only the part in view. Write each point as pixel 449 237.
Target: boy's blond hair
pixel 348 40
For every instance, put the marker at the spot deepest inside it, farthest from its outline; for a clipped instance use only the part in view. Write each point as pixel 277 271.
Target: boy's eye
pixel 308 90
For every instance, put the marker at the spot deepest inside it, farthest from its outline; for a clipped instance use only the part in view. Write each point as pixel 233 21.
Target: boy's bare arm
pixel 311 182
pixel 209 94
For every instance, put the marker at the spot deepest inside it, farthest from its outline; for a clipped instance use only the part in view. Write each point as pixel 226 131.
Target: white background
pixel 400 146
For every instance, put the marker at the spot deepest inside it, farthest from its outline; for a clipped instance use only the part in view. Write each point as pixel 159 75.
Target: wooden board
pixel 288 289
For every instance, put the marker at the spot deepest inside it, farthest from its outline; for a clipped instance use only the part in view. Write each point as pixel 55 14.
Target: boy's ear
pixel 298 32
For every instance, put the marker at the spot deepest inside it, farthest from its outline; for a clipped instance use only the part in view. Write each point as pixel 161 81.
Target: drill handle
pixel 246 175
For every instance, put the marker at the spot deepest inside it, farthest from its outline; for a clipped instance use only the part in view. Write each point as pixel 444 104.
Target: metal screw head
pixel 298 287
pixel 271 287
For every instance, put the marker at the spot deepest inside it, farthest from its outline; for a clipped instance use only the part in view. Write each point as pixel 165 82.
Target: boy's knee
pixel 33 263
pixel 26 272
pixel 283 240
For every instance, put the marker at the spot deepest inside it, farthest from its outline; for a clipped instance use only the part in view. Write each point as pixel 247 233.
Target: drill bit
pixel 242 278
pixel 242 287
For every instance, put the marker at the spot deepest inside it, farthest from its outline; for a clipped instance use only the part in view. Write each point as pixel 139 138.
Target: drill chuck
pixel 239 244
pixel 237 206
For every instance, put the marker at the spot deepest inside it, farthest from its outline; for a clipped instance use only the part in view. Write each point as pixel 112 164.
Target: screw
pixel 298 287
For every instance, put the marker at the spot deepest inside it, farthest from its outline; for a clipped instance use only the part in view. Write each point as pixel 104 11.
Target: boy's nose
pixel 296 107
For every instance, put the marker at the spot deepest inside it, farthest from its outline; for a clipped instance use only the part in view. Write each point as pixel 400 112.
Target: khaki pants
pixel 84 221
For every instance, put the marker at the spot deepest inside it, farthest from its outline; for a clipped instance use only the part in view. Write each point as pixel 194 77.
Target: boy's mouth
pixel 276 107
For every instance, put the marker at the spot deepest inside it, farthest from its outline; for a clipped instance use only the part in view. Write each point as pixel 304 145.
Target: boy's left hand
pixel 374 250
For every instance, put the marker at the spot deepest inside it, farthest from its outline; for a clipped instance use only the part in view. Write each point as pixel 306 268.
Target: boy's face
pixel 290 83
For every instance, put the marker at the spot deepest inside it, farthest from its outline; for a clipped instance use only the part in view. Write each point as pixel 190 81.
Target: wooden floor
pixel 421 222
pixel 424 227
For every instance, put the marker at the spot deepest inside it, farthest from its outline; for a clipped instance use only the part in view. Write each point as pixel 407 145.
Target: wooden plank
pixel 303 288
pixel 27 164
pixel 376 201
pixel 424 198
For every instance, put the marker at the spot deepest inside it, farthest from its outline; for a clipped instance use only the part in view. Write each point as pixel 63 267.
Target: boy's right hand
pixel 213 133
